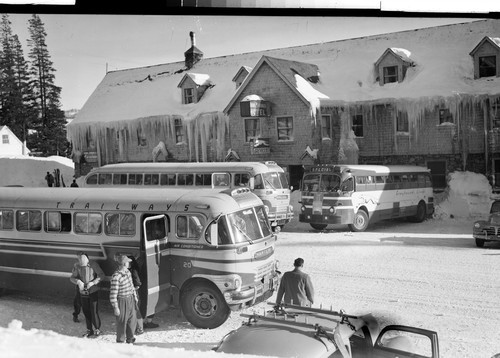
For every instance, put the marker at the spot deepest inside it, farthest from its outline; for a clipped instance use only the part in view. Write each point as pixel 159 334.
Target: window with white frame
pixel 402 125
pixel 357 125
pixel 445 116
pixel 285 128
pixel 487 66
pixel 390 74
pixel 326 127
pixel 252 129
pixel 179 131
pixel 188 95
pixel 5 138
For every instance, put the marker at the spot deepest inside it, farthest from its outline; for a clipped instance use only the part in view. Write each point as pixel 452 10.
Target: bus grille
pixel 264 270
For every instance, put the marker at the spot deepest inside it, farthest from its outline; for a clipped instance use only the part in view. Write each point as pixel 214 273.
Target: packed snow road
pixel 429 275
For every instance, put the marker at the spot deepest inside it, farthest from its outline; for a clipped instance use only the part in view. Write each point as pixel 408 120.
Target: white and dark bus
pixel 267 180
pixel 357 195
pixel 209 250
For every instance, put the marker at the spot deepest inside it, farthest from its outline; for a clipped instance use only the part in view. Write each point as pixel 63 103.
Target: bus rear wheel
pixel 360 222
pixel 319 226
pixel 204 305
pixel 421 213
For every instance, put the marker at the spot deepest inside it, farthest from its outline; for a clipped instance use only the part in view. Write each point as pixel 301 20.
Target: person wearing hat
pixel 296 286
pixel 86 275
pixel 123 299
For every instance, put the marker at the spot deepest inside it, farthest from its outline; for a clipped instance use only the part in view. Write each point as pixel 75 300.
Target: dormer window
pixel 486 57
pixel 188 95
pixel 390 74
pixel 487 66
pixel 391 67
pixel 241 75
pixel 194 86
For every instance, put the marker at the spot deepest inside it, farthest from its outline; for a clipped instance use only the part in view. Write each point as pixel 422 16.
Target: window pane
pixel 127 224
pixel 242 180
pixel 53 221
pixel 487 66
pixel 285 128
pixel 357 125
pixel 325 127
pixel 95 223
pixel 92 180
pixel 105 178
pixel 6 219
pixel 112 226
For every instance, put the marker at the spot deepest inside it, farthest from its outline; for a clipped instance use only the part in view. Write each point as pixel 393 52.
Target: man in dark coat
pixel 296 286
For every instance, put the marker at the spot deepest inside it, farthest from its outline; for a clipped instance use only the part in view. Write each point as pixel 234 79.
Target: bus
pixel 266 179
pixel 210 251
pixel 357 195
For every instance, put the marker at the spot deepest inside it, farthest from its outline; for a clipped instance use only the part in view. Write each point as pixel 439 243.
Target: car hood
pixel 283 340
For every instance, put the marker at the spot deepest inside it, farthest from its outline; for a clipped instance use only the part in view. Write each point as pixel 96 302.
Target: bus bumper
pixel 253 294
pixel 323 219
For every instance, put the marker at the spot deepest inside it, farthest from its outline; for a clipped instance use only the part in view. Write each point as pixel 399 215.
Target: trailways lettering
pixel 117 207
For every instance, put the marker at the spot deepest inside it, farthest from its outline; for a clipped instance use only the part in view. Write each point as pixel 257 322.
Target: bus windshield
pixel 321 182
pixel 271 180
pixel 242 226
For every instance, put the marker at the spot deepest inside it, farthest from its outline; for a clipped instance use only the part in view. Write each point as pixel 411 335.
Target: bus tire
pixel 319 226
pixel 421 213
pixel 480 242
pixel 204 305
pixel 360 222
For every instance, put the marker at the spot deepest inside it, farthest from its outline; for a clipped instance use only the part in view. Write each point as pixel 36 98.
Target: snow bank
pixel 48 344
pixel 31 171
pixel 467 195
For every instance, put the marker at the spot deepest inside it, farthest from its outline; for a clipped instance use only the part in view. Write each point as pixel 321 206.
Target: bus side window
pixel 258 184
pixel 28 220
pixel 156 229
pixel 105 178
pixel 203 180
pixel 119 224
pixel 92 180
pixel 119 179
pixel 242 180
pixel 56 221
pixel 6 219
pixel 167 179
pixel 189 226
pixel 348 185
pixel 88 223
pixel 221 179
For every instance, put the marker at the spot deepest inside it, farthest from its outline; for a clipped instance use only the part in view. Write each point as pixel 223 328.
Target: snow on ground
pixel 31 171
pixel 467 196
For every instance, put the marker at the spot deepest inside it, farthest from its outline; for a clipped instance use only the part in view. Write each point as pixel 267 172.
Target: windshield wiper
pixel 271 184
pixel 244 234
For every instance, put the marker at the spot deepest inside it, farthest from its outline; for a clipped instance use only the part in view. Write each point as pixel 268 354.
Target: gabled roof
pixel 494 41
pixel 199 79
pixel 400 53
pixel 242 68
pixel 287 71
pixel 346 75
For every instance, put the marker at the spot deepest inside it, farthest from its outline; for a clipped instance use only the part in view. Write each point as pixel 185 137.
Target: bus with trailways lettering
pixel 357 195
pixel 267 180
pixel 209 250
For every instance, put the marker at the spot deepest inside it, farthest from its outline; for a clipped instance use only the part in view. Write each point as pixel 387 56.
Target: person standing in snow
pixel 136 280
pixel 123 298
pixel 86 275
pixel 50 180
pixel 296 286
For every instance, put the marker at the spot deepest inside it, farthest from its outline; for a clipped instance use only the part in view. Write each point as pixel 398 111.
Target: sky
pixel 84 47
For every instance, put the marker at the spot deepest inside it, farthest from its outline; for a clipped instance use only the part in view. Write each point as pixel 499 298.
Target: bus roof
pixel 194 167
pixel 141 200
pixel 360 169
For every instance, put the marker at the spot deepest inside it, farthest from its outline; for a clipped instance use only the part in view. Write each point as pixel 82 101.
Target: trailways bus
pixel 209 250
pixel 267 180
pixel 357 195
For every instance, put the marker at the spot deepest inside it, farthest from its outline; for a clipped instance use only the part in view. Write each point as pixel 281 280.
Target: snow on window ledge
pixel 446 124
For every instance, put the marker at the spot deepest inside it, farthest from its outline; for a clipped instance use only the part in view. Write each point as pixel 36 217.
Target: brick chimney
pixel 193 55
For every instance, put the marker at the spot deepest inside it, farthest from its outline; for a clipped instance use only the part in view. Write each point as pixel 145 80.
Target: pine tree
pixel 12 86
pixel 50 136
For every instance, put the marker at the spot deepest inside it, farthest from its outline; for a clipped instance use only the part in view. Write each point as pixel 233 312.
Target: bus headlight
pixel 302 208
pixel 476 225
pixel 332 209
pixel 266 208
pixel 276 265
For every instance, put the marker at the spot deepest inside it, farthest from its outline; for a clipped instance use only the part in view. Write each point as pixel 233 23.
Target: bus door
pixel 157 263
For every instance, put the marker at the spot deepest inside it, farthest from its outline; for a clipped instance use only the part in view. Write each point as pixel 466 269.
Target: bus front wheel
pixel 360 222
pixel 204 305
pixel 319 226
pixel 479 242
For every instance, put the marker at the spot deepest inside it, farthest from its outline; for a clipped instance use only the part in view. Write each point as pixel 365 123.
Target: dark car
pixel 489 229
pixel 294 331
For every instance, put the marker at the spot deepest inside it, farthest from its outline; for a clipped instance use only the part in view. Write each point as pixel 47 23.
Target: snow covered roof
pixel 199 79
pixel 494 41
pixel 444 69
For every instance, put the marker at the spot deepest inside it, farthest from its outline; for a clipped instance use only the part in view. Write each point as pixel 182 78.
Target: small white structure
pixel 10 144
